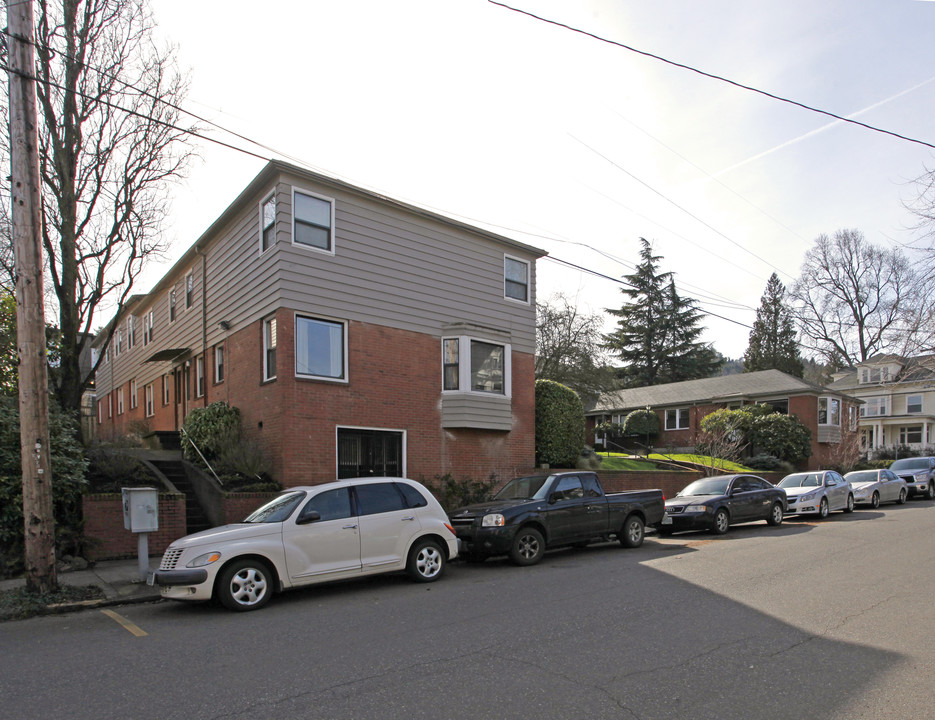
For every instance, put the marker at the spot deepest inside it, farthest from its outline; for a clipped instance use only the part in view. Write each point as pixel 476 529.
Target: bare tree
pixel 854 300
pixel 568 348
pixel 109 145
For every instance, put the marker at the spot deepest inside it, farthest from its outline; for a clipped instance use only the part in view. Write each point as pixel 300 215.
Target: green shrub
pixel 209 428
pixel 68 466
pixel 559 424
pixel 588 459
pixel 641 423
pixel 781 435
pixel 110 468
pixel 768 463
pixel 453 493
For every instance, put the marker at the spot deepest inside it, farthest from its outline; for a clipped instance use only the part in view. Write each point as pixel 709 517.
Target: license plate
pixel 666 520
pixel 150 578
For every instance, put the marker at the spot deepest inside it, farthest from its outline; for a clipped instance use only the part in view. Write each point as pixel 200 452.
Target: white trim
pixel 405 434
pixel 189 296
pixel 219 346
pixel 265 349
pixel 344 347
pixel 172 304
pixel 134 399
pixel 528 265
pixel 678 415
pixel 200 376
pixel 323 198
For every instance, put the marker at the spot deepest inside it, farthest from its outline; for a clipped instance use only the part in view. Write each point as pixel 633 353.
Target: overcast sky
pixel 574 145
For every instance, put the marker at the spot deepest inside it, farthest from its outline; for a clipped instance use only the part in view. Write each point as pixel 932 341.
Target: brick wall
pixel 103 526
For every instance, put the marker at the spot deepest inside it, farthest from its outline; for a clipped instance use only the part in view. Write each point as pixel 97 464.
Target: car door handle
pixel 409 519
pixel 349 527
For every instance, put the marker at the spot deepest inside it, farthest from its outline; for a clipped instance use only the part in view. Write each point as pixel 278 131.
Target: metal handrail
pixel 201 455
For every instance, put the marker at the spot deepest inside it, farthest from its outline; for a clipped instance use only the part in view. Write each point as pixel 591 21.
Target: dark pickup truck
pixel 533 513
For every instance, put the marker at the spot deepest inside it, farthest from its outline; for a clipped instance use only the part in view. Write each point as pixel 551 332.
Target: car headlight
pixel 862 492
pixel 205 559
pixel 921 477
pixel 696 508
pixel 492 520
pixel 809 496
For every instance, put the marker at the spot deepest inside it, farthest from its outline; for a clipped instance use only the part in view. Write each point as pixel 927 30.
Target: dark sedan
pixel 717 503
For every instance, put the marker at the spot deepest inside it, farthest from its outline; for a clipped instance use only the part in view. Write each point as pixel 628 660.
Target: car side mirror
pixel 309 517
pixel 554 498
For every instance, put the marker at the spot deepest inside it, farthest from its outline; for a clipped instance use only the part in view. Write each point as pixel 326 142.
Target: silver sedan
pixel 872 487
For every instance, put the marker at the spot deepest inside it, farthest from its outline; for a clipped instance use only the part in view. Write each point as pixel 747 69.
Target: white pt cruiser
pixel 307 535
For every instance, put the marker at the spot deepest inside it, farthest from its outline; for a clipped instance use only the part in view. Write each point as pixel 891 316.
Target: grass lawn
pixel 702 460
pixel 617 461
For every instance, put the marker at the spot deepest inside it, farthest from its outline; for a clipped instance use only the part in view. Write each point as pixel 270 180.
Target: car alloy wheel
pixel 245 585
pixel 823 508
pixel 426 561
pixel 875 500
pixel 528 547
pixel 775 515
pixel 849 508
pixel 902 496
pixel 632 534
pixel 721 522
pixel 930 491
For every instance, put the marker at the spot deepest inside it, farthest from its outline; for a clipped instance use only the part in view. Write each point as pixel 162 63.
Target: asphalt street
pixel 829 619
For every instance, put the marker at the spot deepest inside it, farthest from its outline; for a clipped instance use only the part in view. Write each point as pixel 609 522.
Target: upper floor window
pixel 172 305
pixel 913 404
pixel 312 221
pixel 515 279
pixel 269 348
pixel 874 375
pixel 189 290
pixel 873 407
pixel 488 370
pixel 147 328
pixel 829 411
pixel 131 332
pixel 118 342
pixel 268 223
pixel 677 419
pixel 319 348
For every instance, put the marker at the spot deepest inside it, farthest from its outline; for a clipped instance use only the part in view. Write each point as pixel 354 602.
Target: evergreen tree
pixel 772 342
pixel 657 330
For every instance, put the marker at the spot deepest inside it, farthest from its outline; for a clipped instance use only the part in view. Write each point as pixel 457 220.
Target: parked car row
pixel 365 526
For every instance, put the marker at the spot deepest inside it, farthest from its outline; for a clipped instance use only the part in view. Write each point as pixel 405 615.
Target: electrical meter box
pixel 140 509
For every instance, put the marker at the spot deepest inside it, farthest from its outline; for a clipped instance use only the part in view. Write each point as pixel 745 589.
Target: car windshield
pixel 910 464
pixel 708 486
pixel 277 509
pixel 862 476
pixel 801 480
pixel 532 486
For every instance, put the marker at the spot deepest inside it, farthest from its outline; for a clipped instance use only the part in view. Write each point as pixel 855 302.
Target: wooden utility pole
pixel 30 310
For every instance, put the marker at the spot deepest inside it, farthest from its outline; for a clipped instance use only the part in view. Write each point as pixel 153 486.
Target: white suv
pixel 307 535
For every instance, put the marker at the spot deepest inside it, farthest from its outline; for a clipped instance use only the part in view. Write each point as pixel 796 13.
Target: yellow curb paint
pixel 135 629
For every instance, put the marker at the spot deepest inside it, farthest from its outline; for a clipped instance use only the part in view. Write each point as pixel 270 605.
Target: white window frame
pixel 878 404
pixel 149 400
pixel 904 431
pixel 147 327
pixel 331 233
pixel 189 290
pixel 680 412
pixel 528 265
pixel 910 402
pixel 829 403
pixel 118 341
pixel 131 331
pixel 172 303
pixel 219 363
pixel 465 371
pixel 133 395
pixel 166 385
pixel 266 348
pixel 110 405
pixel 200 376
pixel 120 404
pixel 100 410
pixel 344 347
pixel 264 225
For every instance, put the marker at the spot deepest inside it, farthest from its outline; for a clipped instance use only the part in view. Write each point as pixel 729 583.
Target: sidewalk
pixel 119 580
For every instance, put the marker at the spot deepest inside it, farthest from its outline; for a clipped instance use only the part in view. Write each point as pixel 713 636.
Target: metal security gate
pixel 369 453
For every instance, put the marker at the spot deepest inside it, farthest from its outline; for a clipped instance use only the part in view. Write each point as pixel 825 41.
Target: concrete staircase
pixel 195 517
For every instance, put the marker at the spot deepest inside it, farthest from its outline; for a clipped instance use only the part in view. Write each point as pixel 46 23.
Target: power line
pixel 712 76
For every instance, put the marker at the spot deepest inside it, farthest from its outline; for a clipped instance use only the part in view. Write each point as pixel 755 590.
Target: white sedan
pixel 817 493
pixel 872 487
pixel 307 535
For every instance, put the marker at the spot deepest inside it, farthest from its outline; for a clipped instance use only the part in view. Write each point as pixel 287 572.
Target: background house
pixel 829 415
pixel 898 395
pixel 356 334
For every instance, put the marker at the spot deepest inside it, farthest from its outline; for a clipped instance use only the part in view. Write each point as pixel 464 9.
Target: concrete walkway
pixel 119 580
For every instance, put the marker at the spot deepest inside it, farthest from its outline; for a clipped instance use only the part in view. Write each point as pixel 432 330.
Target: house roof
pixel 724 388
